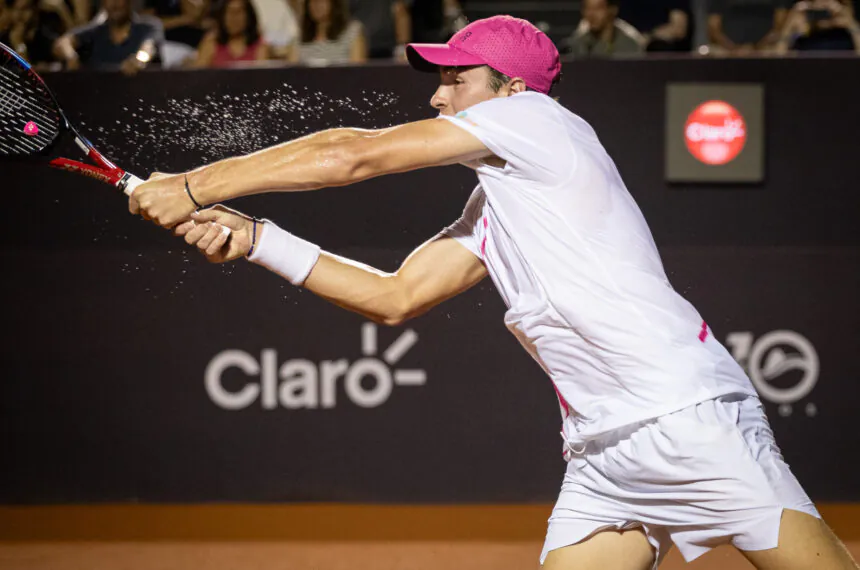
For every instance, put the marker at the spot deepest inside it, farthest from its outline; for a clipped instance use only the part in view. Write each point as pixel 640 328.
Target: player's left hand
pixel 162 199
pixel 220 233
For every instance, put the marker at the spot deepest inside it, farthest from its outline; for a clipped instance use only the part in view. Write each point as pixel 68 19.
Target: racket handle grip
pixel 129 182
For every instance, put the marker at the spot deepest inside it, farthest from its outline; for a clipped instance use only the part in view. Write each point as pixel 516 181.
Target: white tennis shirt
pixel 575 262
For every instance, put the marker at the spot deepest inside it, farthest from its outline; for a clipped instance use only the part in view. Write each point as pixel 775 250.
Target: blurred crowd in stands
pixel 131 35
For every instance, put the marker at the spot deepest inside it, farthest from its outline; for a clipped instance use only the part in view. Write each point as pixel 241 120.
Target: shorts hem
pixel 753 545
pixel 579 537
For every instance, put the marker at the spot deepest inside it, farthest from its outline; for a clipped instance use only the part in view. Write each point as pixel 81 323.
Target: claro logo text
pixel 299 383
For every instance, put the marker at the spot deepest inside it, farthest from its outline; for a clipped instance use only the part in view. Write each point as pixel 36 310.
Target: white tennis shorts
pixel 706 475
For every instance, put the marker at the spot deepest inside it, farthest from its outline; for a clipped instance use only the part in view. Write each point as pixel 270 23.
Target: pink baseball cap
pixel 510 45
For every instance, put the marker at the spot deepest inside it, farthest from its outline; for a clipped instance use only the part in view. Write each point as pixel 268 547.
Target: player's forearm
pixel 358 288
pixel 316 161
pixel 346 283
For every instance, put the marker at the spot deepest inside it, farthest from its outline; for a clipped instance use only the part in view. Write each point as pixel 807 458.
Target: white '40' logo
pixel 771 356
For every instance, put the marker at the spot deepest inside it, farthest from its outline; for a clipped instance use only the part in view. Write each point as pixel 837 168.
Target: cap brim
pixel 430 57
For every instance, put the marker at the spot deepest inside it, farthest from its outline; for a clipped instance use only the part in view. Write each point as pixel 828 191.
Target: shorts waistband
pixel 575 444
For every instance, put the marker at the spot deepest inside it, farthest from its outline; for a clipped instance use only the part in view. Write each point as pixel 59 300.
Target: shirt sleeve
pixel 464 229
pixel 526 131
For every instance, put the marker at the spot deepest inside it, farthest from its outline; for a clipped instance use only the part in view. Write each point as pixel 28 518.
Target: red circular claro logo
pixel 715 133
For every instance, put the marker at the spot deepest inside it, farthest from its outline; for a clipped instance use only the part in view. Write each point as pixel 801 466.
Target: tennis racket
pixel 33 124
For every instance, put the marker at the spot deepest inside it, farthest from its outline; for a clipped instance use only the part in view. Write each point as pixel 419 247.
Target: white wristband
pixel 280 251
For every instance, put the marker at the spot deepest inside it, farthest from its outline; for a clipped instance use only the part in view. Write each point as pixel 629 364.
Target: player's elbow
pixel 356 159
pixel 399 307
pixel 341 163
pixel 395 316
pixel 392 320
pixel 333 165
pixel 389 317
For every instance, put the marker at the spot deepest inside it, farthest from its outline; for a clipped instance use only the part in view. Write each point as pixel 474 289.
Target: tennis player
pixel 666 440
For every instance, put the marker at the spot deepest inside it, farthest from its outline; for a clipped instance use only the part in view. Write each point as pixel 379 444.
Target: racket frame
pixel 106 171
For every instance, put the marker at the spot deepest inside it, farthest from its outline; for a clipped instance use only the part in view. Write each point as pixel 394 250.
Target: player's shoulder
pixel 525 111
pixel 521 101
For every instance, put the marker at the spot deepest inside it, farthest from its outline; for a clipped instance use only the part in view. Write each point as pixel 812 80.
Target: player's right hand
pixel 205 230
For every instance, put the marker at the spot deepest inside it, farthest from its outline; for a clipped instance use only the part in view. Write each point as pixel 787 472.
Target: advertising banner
pixel 133 370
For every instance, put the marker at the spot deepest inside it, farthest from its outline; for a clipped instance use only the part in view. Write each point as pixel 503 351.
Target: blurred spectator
pixel 183 20
pixel 664 24
pixel 279 25
pixel 744 26
pixel 83 8
pixel 602 34
pixel 236 37
pixel 92 12
pixel 5 17
pixel 184 23
pixel 29 34
pixel 123 40
pixel 83 11
pixel 55 16
pixel 434 21
pixel 329 35
pixel 387 24
pixel 821 25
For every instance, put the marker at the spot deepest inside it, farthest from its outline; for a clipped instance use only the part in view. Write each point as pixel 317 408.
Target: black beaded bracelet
pixel 188 191
pixel 253 239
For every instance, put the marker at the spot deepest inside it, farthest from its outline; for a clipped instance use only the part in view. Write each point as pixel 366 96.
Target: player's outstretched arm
pixel 331 158
pixel 436 271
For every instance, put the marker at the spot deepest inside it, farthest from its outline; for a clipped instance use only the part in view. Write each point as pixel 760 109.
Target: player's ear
pixel 517 85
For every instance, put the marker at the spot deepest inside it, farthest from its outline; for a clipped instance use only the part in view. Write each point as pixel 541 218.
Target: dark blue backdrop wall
pixel 133 370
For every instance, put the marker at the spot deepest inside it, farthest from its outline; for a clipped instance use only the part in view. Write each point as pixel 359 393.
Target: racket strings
pixel 11 101
pixel 29 120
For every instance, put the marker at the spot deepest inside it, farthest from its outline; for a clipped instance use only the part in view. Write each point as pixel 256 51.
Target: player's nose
pixel 438 101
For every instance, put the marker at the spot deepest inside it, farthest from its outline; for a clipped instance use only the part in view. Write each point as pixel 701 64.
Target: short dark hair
pixel 498 80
